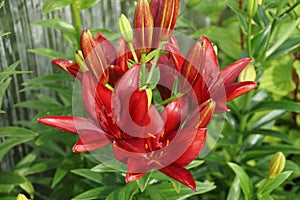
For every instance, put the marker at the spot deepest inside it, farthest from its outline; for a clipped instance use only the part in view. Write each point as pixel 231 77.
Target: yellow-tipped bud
pixel 277 164
pixel 80 61
pixel 125 28
pixel 21 197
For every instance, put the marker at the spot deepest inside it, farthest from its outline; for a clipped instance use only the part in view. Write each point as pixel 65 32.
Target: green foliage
pixel 260 123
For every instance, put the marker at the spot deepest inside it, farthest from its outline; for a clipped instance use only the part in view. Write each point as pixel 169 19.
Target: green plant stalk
pixel 249 31
pixel 172 98
pixel 161 44
pixel 143 61
pixel 133 52
pixel 76 18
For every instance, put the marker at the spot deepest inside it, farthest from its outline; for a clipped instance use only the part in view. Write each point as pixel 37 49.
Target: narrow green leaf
pixel 289 45
pixel 267 132
pixel 271 184
pixel 12 131
pixel 28 188
pixel 58 176
pixel 3 34
pixel 50 53
pixel 52 5
pixel 259 41
pixel 58 24
pixel 241 18
pixel 84 4
pixel 155 193
pixel 271 116
pixel 101 168
pixel 10 68
pixel 2 4
pixel 3 88
pixel 87 173
pixel 95 193
pixel 244 179
pixel 128 191
pixel 194 164
pixel 168 190
pixel 235 190
pixel 283 38
pixel 11 178
pixel 9 143
pixel 289 106
pixel 143 182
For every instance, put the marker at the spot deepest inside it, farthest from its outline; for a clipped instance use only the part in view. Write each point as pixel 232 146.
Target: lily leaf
pixel 52 5
pixel 235 190
pixel 289 45
pixel 11 178
pixel 244 179
pixel 50 53
pixel 95 193
pixel 84 4
pixel 268 185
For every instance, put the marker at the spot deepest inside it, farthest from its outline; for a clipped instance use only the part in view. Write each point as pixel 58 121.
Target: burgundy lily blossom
pixel 121 110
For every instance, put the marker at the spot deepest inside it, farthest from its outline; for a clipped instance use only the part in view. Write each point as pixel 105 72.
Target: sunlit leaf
pixel 235 190
pixel 52 5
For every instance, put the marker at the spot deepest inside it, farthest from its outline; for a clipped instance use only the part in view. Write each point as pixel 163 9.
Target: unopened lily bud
pixel 165 14
pixel 143 26
pixel 194 62
pixel 252 7
pixel 192 3
pixel 80 61
pixel 125 28
pixel 21 197
pixel 93 54
pixel 277 164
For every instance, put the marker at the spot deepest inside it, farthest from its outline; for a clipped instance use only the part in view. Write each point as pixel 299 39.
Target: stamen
pixel 168 142
pixel 146 146
pixel 151 135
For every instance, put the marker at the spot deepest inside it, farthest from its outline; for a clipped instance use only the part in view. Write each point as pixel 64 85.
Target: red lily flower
pixel 121 110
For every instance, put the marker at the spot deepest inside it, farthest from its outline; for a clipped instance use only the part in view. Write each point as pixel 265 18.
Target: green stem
pixel 161 44
pixel 143 60
pixel 172 98
pixel 133 52
pixel 76 18
pixel 249 46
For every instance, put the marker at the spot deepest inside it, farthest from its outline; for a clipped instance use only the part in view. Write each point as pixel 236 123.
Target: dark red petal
pixel 174 115
pixel 194 150
pixel 238 89
pixel 69 66
pixel 180 174
pixel 195 62
pixel 138 107
pixel 231 72
pixel 124 55
pixel 115 73
pixel 212 60
pixel 90 140
pixel 89 85
pixel 109 50
pixel 201 116
pixel 68 123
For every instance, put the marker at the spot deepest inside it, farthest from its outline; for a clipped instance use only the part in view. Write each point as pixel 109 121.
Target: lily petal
pixel 68 123
pixel 174 115
pixel 231 72
pixel 238 89
pixel 130 177
pixel 90 140
pixel 109 50
pixel 94 55
pixel 194 150
pixel 180 174
pixel 69 66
